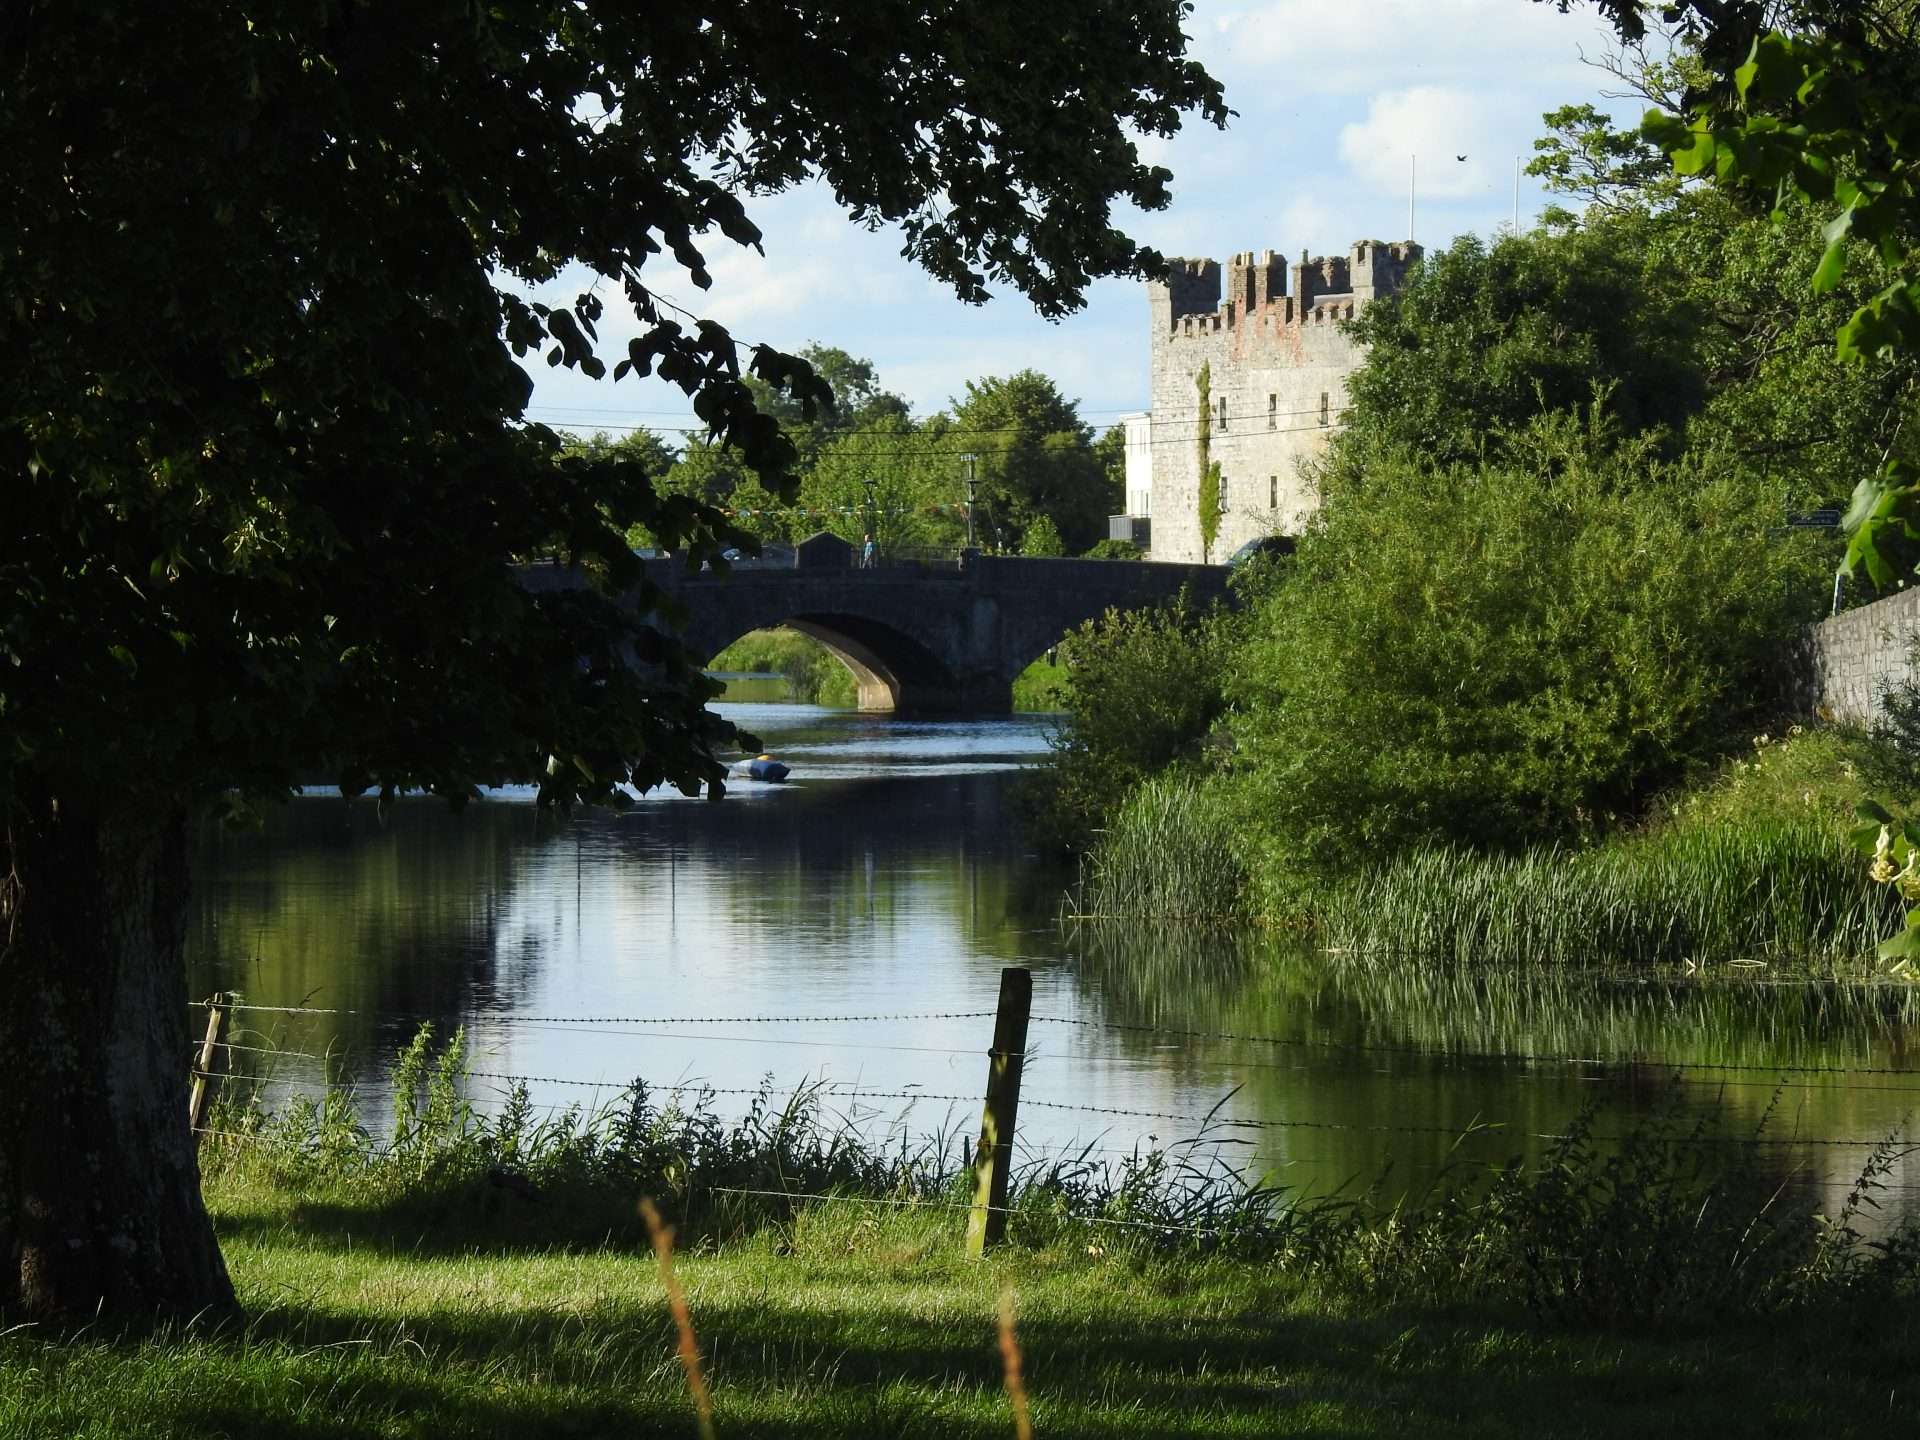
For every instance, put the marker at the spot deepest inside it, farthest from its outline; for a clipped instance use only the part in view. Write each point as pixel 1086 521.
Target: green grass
pixel 1166 854
pixel 846 1325
pixel 1751 864
pixel 1766 891
pixel 1041 687
pixel 478 1276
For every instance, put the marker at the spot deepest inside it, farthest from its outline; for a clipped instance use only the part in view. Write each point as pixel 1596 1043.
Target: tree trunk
pixel 100 1208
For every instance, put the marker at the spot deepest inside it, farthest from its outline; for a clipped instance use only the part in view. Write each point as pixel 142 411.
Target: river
pixel 888 879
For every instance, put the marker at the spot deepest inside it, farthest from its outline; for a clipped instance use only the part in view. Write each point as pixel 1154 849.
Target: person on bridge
pixel 866 553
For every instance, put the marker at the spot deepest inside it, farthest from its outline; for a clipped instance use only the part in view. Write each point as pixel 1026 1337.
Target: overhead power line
pixel 911 447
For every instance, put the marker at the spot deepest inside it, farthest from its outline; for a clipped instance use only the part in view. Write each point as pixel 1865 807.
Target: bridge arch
pixel 1030 631
pixel 892 670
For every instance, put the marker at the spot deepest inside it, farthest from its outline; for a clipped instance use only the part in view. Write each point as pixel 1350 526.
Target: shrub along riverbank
pixel 491 1273
pixel 1460 717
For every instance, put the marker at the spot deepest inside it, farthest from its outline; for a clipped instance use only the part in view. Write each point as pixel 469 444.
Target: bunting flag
pixel 811 512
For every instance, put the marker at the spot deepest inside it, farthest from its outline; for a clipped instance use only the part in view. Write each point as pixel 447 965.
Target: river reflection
pixel 888 878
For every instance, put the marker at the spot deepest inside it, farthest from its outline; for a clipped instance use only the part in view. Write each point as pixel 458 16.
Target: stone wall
pixel 1856 657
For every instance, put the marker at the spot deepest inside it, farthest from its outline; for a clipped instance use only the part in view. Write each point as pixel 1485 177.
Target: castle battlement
pixel 1263 288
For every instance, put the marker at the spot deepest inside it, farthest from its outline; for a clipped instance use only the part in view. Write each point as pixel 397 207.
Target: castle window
pixel 1323 407
pixel 1273 492
pixel 1273 412
pixel 1223 493
pixel 1223 412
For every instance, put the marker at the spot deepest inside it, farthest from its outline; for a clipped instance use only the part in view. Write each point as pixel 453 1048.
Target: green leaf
pixel 1873 810
pixel 1833 261
pixel 1904 946
pixel 1773 72
pixel 1690 145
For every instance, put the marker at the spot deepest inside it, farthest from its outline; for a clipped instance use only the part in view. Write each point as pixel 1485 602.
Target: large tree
pixel 1486 337
pixel 854 394
pixel 1033 456
pixel 267 278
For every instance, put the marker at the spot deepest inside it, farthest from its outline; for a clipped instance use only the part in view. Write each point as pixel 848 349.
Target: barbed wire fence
pixel 1000 1147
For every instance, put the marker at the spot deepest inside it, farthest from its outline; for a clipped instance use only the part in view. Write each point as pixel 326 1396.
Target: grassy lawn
pixel 848 1323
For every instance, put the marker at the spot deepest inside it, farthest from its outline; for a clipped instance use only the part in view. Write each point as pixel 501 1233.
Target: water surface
pixel 888 879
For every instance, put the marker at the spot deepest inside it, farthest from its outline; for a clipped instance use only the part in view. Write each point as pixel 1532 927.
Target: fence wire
pixel 578 1024
pixel 619 1019
pixel 1209 1122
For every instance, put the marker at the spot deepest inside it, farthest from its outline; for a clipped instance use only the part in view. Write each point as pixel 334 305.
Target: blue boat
pixel 765 767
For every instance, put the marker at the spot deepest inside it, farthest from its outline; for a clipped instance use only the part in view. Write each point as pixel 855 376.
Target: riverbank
pixel 490 1271
pixel 1751 864
pixel 859 1322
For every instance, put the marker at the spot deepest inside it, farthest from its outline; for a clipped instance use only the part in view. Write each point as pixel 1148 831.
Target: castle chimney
pixel 1306 283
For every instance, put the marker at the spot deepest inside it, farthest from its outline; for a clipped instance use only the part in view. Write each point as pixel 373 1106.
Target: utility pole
pixel 1411 162
pixel 970 540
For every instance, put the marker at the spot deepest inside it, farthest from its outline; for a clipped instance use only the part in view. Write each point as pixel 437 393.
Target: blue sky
pixel 1332 98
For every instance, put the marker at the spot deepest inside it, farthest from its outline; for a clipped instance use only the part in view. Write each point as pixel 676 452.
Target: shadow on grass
pixel 818 1370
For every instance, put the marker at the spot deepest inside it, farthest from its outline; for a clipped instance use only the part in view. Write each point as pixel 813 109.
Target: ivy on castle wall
pixel 1209 468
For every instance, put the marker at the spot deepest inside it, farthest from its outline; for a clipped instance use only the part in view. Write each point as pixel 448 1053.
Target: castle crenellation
pixel 1272 336
pixel 1263 287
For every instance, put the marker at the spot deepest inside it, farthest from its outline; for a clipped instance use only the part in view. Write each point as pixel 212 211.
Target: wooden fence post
pixel 993 1157
pixel 203 1072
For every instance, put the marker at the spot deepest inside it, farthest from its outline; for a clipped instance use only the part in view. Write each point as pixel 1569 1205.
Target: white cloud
pixel 1306 222
pixel 1437 125
pixel 1355 49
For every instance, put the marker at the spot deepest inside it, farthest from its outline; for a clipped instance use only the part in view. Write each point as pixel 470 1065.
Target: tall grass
pixel 1740 878
pixel 1744 890
pixel 448 1168
pixel 1676 1217
pixel 1167 854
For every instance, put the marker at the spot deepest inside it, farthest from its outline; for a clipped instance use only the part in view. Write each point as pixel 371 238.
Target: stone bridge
pixel 941 637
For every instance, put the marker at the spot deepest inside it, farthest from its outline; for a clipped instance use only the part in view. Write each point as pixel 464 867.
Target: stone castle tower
pixel 1279 360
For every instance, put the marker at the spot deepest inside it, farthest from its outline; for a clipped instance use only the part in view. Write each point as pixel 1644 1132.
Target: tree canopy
pixel 1034 457
pixel 267 288
pixel 1488 336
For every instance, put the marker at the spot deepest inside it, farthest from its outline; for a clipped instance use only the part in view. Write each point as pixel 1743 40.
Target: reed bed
pixel 1747 888
pixel 1706 894
pixel 1167 854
